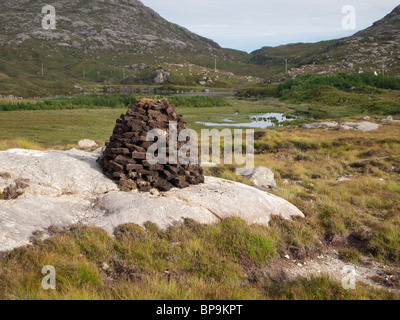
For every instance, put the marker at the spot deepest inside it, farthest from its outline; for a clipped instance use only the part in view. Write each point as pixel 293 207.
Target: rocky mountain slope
pixel 375 49
pixel 95 41
pixel 98 25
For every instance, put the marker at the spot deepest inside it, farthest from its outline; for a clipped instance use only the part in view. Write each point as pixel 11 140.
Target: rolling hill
pixel 375 49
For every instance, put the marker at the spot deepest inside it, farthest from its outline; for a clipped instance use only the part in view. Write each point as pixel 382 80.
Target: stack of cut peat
pixel 124 158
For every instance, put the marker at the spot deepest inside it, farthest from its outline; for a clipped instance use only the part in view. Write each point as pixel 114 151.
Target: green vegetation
pixel 259 91
pixel 322 288
pixel 94 101
pixel 361 213
pixel 350 255
pixel 81 102
pixel 297 54
pixel 61 127
pixel 198 102
pixel 70 71
pixel 355 93
pixel 189 261
pixel 342 81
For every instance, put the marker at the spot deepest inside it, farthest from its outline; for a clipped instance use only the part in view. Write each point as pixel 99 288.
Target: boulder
pixel 262 177
pixel 319 125
pixel 67 187
pixel 388 119
pixel 343 127
pixel 55 173
pixel 86 143
pixel 360 126
pixel 161 76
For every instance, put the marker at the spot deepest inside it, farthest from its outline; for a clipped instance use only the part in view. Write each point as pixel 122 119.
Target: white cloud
pixel 251 24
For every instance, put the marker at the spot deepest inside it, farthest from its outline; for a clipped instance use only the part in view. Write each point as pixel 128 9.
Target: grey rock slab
pixel 56 172
pixel 364 126
pixel 227 198
pixel 121 207
pixel 20 218
pixel 67 187
pixel 318 125
pixel 342 127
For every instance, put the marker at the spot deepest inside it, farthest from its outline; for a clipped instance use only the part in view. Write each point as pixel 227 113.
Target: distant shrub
pixel 96 101
pixel 258 91
pixel 198 101
pixel 350 255
pixel 341 81
pixel 84 102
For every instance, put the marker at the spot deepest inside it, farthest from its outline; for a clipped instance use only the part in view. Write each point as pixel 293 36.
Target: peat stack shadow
pixel 124 158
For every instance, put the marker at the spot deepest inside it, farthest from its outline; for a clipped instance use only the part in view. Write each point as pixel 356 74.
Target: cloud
pixel 251 24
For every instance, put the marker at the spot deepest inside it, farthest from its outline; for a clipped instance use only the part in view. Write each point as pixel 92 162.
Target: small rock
pixel 105 266
pixel 86 143
pixel 262 177
pixel 161 76
pixel 388 119
pixel 299 265
pixel 360 126
pixel 318 125
pixel 99 151
pixel 367 118
pixel 287 257
pixel 208 164
pixel 344 178
pixel 342 128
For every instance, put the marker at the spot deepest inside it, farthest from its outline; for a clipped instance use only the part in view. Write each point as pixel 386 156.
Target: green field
pixel 67 126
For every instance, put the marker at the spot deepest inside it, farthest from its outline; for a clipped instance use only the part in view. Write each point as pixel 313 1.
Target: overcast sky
pixel 251 24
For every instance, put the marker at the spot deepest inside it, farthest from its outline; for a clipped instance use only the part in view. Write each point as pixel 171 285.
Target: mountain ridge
pixel 123 42
pixel 374 49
